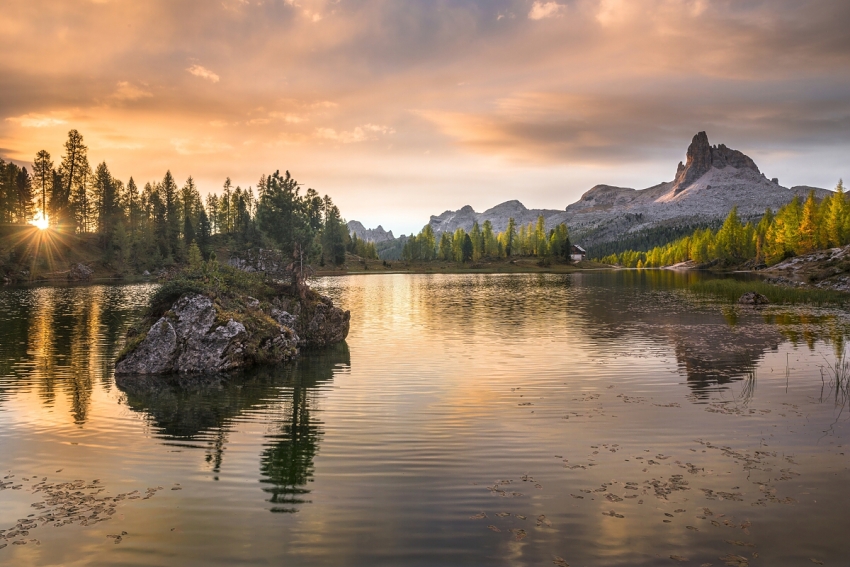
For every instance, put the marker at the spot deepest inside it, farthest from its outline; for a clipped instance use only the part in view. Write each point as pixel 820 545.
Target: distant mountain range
pixel 369 234
pixel 705 188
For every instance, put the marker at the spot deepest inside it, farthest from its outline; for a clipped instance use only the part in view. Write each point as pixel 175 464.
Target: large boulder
pixel 195 336
pixel 323 324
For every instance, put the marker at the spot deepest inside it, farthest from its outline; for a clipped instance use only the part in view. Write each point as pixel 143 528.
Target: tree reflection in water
pixel 193 409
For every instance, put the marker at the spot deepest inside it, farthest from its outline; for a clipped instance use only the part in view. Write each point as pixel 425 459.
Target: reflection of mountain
pixel 193 408
pixel 610 314
pixel 713 345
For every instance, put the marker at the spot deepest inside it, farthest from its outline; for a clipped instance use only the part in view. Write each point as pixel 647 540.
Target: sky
pixel 403 109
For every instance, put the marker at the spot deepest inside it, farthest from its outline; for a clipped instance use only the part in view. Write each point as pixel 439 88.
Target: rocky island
pixel 220 318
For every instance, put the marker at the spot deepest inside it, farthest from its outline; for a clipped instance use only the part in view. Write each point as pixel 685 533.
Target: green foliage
pixel 797 228
pixel 461 246
pixel 162 225
pixel 169 292
pixel 16 194
pixel 642 240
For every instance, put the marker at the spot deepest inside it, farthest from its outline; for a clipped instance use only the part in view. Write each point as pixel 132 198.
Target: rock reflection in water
pixel 203 408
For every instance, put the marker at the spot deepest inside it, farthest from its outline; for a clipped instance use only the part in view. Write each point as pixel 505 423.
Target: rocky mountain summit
pixel 369 234
pixel 711 181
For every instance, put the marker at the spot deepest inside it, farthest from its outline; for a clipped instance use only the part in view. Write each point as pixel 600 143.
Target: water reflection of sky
pixel 379 451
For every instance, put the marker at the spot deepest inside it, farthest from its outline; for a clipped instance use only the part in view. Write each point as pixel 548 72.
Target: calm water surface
pixel 602 419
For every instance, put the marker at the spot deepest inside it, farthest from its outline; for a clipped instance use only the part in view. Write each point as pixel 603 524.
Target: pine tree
pixel 42 174
pixel 72 205
pixel 168 194
pixel 106 204
pixel 510 236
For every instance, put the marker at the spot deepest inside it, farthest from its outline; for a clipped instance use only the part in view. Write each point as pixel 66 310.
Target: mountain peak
pixel 702 156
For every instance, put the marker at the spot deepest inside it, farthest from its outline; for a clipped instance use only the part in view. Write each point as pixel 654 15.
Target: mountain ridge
pixel 704 189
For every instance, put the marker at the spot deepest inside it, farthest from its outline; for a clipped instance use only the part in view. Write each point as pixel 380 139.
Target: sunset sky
pixel 403 109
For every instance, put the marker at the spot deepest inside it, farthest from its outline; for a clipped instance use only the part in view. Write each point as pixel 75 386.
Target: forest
pixel 482 242
pixel 796 228
pixel 161 223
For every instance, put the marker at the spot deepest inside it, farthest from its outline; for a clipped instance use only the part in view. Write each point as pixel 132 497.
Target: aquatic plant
pixel 733 289
pixel 837 375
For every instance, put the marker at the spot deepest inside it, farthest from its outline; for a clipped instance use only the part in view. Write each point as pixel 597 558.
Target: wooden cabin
pixel 577 253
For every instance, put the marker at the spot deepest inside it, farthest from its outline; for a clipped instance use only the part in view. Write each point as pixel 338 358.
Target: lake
pixel 585 419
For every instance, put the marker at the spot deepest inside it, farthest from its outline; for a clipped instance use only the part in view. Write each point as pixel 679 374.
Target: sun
pixel 40 221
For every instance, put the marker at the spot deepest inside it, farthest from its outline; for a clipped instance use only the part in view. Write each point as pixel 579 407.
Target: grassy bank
pixel 519 265
pixel 733 289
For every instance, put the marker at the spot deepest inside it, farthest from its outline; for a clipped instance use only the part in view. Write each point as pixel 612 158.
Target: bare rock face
pixel 188 339
pixel 370 234
pixel 753 298
pixel 326 324
pixel 701 157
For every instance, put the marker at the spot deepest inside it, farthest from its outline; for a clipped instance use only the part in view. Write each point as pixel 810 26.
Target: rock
pixel 189 339
pixel 702 157
pixel 146 273
pixel 80 273
pixel 326 324
pixel 283 318
pixel 753 298
pixel 156 353
pixel 370 234
pixel 260 260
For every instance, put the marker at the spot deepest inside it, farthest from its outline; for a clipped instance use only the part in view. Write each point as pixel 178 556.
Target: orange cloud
pixel 203 73
pixel 535 89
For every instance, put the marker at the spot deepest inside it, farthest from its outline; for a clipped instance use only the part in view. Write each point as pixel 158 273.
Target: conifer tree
pixel 42 174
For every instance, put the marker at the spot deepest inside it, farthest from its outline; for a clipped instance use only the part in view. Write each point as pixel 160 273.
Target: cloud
pixel 289 117
pixel 203 73
pixel 542 10
pixel 189 147
pixel 362 133
pixel 127 91
pixel 34 120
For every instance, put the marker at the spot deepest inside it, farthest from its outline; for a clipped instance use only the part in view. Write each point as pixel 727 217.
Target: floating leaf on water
pixel 478 516
pixel 519 533
pixel 560 562
pixel 693 528
pixel 816 561
pixel 520 516
pixel 543 520
pixel 733 560
pixel 678 558
pixel 503 514
pixel 679 511
pixel 494 528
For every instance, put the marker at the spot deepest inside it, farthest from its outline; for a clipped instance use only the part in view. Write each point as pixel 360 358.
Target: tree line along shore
pixel 122 229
